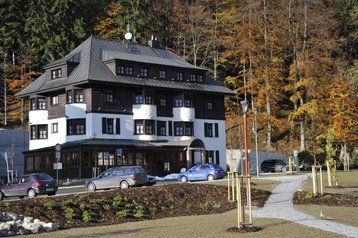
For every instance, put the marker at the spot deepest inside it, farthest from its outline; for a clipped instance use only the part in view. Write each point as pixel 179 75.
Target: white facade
pixel 94 127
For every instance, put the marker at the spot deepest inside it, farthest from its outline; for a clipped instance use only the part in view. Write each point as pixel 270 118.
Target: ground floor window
pixel 76 127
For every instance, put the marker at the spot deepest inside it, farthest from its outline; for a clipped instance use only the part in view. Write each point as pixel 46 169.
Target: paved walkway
pixel 279 205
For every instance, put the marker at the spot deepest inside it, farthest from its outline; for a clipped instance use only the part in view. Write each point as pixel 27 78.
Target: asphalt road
pixel 73 190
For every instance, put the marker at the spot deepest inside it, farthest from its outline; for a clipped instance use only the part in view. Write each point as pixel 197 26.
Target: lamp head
pixel 245 106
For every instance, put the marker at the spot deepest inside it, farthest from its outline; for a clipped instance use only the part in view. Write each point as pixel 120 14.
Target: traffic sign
pixel 118 151
pixel 57 147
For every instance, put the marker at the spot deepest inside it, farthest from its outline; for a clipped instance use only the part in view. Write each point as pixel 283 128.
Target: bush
pixel 139 213
pixel 310 195
pixel 69 214
pixel 86 217
pixel 122 214
pixel 47 205
pixel 96 200
pixel 327 197
pixel 153 211
pixel 67 203
pixel 106 207
pixel 117 200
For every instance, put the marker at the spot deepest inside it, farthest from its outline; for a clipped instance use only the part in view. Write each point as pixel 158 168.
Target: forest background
pixel 295 61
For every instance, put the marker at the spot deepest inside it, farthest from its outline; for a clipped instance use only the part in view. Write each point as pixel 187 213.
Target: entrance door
pixel 197 157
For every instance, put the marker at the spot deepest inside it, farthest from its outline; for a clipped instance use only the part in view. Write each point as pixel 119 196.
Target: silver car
pixel 118 177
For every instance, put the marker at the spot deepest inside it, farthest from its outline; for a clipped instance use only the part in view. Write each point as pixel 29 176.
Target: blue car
pixel 202 172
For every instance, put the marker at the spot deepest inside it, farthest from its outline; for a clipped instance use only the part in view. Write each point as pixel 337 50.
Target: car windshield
pixel 43 177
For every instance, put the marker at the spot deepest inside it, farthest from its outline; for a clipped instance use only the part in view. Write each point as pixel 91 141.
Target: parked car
pixel 151 180
pixel 29 185
pixel 202 172
pixel 118 177
pixel 274 165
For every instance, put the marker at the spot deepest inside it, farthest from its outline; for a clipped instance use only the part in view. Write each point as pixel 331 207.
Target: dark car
pixel 118 177
pixel 202 172
pixel 274 165
pixel 29 185
pixel 151 180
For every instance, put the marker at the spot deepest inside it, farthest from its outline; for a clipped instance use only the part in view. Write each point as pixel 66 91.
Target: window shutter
pixel 217 157
pixel 216 130
pixel 170 127
pixel 118 126
pixel 104 127
pixel 206 129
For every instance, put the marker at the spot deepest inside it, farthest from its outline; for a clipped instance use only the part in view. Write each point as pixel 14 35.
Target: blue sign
pixel 118 151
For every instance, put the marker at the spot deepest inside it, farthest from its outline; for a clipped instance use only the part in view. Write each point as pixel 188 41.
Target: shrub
pixel 69 214
pixel 204 206
pixel 83 206
pixel 86 217
pixel 153 211
pixel 47 205
pixel 96 200
pixel 122 214
pixel 106 207
pixel 139 213
pixel 327 197
pixel 128 206
pixel 67 203
pixel 117 200
pixel 310 195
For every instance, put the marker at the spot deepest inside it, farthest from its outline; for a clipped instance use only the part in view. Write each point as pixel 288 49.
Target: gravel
pixel 279 205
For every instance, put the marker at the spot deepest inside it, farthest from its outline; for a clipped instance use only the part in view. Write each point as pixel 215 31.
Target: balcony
pixel 183 114
pixel 144 111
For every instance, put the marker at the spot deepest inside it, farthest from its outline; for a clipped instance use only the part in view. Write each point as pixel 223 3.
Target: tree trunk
pixel 329 173
pixel 268 106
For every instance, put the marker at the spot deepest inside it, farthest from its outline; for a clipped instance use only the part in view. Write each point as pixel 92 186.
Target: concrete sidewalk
pixel 279 205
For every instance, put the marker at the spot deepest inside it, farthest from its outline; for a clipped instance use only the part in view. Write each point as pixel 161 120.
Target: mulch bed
pixel 328 199
pixel 244 229
pixel 119 206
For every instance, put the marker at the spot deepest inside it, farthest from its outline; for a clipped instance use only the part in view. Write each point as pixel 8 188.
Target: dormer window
pixel 144 72
pixel 121 70
pixel 57 73
pixel 162 74
pixel 192 77
pixel 180 76
pixel 129 70
pixel 199 77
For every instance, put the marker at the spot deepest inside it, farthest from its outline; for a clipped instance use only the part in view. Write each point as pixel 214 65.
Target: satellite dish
pixel 128 36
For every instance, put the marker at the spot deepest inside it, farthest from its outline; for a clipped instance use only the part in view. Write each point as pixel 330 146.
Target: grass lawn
pixel 344 215
pixel 193 226
pixel 348 182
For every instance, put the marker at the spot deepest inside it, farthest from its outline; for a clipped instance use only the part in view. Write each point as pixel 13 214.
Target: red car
pixel 29 185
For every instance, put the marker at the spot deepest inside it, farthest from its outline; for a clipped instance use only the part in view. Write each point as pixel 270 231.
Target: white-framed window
pixel 121 70
pixel 54 100
pixel 56 73
pixel 129 70
pixel 109 96
pixel 54 128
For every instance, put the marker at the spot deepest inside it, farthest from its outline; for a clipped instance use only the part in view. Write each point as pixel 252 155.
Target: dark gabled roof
pixel 91 54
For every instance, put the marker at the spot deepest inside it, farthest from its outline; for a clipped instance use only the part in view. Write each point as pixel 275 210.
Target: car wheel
pixel 2 196
pixel 211 177
pixel 283 169
pixel 31 193
pixel 183 179
pixel 91 187
pixel 124 185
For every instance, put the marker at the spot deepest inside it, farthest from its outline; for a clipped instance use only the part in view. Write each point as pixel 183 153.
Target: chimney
pixel 153 42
